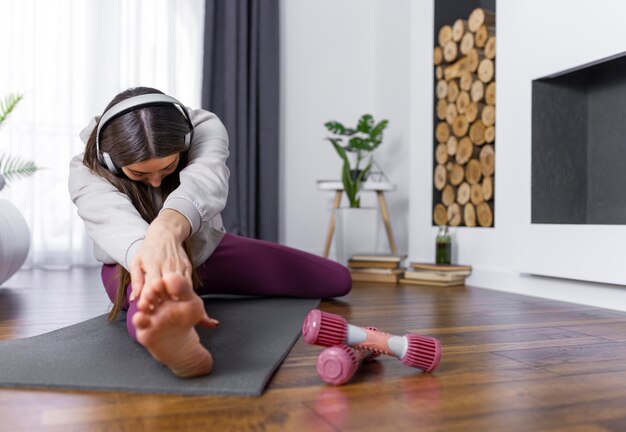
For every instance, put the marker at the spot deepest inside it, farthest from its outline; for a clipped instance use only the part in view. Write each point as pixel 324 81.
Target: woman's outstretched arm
pixel 110 218
pixel 161 252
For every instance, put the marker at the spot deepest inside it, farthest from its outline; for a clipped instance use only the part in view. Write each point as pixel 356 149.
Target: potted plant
pixel 360 142
pixel 14 232
pixel 356 227
pixel 12 167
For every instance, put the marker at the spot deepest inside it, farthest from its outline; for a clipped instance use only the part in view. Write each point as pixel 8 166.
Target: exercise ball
pixel 14 240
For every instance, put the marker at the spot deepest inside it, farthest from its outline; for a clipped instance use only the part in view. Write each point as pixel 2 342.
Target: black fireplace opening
pixel 579 145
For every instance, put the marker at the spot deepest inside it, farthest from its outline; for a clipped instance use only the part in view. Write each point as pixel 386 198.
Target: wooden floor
pixel 510 363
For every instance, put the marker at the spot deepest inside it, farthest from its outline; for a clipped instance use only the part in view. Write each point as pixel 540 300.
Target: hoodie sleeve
pixel 110 218
pixel 204 181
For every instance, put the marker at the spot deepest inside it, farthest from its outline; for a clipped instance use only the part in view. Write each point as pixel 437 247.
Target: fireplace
pixel 572 179
pixel 579 145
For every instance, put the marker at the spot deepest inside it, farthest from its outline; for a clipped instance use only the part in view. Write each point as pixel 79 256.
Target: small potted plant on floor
pixel 14 232
pixel 356 227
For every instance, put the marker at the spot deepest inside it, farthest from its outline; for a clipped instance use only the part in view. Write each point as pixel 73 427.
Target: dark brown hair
pixel 149 132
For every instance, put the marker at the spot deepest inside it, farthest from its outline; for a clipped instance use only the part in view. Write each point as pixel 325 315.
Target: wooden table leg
pixel 331 224
pixel 387 221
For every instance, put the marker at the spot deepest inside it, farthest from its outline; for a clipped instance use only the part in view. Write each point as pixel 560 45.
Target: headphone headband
pixel 131 104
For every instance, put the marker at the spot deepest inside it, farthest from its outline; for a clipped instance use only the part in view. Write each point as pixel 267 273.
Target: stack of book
pixel 376 268
pixel 436 274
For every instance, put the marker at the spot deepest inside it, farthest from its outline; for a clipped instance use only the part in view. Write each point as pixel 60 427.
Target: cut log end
pixel 485 214
pixel 477 91
pixel 442 89
pixel 452 145
pixel 463 193
pixel 442 106
pixel 490 134
pixel 454 215
pixel 456 175
pixel 487 186
pixel 460 126
pixel 469 215
pixel 442 132
pixel 451 113
pixel 441 176
pixel 490 48
pixel 476 194
pixel 441 154
pixel 462 101
pixel 473 172
pixel 486 70
pixel 445 35
pixel 480 17
pixel 448 195
pixel 487 160
pixel 467 43
pixel 458 29
pixel 488 115
pixel 453 91
pixel 437 55
pixel 490 94
pixel 450 51
pixel 440 215
pixel 471 112
pixel 477 132
pixel 482 35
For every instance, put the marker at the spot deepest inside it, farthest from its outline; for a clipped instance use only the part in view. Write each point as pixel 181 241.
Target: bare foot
pixel 168 331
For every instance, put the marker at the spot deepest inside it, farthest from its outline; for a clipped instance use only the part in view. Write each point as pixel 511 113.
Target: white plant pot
pixel 14 240
pixel 356 232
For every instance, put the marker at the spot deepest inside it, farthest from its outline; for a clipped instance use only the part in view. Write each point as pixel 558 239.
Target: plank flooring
pixel 510 363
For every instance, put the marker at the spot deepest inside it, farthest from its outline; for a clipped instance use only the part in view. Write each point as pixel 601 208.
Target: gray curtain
pixel 240 85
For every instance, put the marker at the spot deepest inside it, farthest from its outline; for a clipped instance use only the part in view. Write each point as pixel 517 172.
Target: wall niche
pixel 464 113
pixel 579 145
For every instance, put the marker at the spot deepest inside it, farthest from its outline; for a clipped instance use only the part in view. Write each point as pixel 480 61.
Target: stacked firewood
pixel 466 116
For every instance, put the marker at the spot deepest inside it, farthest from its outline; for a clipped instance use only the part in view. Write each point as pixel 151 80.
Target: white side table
pixel 369 186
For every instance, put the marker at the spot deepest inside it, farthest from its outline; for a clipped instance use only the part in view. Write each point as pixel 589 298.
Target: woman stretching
pixel 150 187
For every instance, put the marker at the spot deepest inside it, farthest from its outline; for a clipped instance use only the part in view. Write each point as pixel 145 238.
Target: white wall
pixel 345 57
pixel 534 38
pixel 340 59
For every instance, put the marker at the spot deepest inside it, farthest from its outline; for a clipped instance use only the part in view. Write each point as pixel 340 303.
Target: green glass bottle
pixel 444 246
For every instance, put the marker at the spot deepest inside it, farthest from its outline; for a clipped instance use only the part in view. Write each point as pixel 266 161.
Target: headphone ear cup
pixel 188 140
pixel 109 163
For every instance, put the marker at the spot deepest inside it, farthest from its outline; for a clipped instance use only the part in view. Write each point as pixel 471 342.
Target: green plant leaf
pixel 379 128
pixel 365 123
pixel 348 185
pixel 335 127
pixel 341 151
pixel 359 180
pixel 7 105
pixel 358 143
pixel 12 167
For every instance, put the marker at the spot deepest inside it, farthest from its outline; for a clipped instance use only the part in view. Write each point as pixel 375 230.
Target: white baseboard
pixel 586 293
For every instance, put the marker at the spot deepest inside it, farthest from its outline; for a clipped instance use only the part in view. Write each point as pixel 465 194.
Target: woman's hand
pixel 161 253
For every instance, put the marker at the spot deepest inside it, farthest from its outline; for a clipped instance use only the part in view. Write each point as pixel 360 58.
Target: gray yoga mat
pixel 254 337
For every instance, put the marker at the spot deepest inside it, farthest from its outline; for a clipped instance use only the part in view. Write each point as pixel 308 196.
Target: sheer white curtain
pixel 69 58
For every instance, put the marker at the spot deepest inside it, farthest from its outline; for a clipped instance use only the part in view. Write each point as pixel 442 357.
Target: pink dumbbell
pixel 337 364
pixel 326 329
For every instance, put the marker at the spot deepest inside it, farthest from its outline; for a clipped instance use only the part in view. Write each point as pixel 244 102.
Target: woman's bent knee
pixel 340 282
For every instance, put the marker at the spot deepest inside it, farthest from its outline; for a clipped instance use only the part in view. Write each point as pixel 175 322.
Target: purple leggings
pixel 245 266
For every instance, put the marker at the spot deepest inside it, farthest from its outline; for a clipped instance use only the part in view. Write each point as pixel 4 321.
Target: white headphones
pixel 128 105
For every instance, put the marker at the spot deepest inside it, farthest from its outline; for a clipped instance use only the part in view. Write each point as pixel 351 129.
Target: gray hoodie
pixel 116 227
